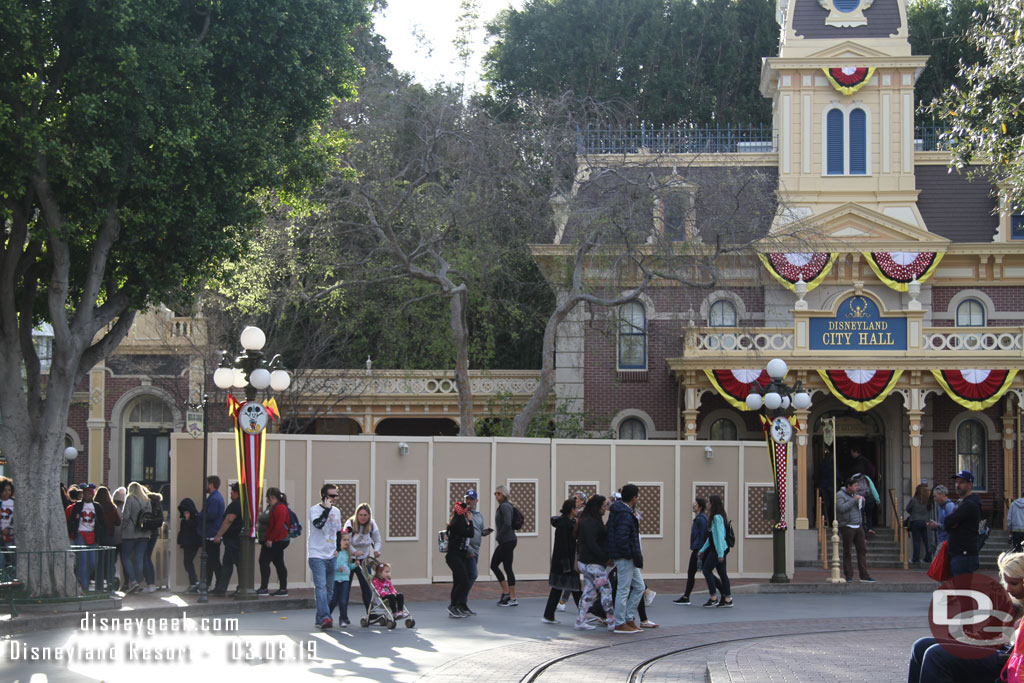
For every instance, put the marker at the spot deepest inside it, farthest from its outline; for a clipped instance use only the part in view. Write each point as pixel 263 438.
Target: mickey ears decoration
pixel 849 79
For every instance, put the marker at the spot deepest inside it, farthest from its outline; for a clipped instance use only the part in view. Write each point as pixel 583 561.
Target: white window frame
pixel 868 137
pixel 387 510
pixel 619 335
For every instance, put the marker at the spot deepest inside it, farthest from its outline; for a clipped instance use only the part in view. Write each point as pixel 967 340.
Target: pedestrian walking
pixel 110 536
pixel 563 575
pixel 133 537
pixel 275 540
pixel 848 513
pixel 505 552
pixel 213 513
pixel 230 534
pixel 342 580
pixel 624 550
pixel 322 550
pixel 593 562
pixel 941 509
pixel 460 531
pixel 866 489
pixel 713 553
pixel 698 533
pixel 85 523
pixel 7 512
pixel 156 502
pixel 471 501
pixel 1015 523
pixel 366 542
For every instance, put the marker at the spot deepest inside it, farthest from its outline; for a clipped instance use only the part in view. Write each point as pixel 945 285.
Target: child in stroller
pixel 387 605
pixel 382 584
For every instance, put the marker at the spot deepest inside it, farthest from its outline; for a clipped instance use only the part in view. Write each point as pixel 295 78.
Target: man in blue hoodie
pixel 213 509
pixel 624 550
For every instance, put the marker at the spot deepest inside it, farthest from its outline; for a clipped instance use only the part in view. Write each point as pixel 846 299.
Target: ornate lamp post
pixel 776 404
pixel 251 372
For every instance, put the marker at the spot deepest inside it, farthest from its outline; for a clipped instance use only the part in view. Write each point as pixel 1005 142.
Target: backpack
pixel 730 535
pixel 294 525
pixel 517 519
pixel 151 519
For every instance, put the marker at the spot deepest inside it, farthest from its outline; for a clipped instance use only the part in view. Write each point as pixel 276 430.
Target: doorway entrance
pixel 859 447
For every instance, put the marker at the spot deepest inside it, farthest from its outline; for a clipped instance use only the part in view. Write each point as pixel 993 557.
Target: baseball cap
pixel 965 475
pixel 472 494
pixel 87 486
pixel 234 487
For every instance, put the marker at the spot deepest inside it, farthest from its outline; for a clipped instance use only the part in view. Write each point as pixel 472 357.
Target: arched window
pixel 834 143
pixel 723 429
pixel 632 336
pixel 633 428
pixel 846 142
pixel 971 451
pixel 970 313
pixel 858 142
pixel 722 314
pixel 150 410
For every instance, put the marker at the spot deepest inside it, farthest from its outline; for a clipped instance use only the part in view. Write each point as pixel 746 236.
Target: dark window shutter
pixel 834 141
pixel 858 142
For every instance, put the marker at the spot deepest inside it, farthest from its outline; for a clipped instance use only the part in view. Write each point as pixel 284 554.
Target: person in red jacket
pixel 274 543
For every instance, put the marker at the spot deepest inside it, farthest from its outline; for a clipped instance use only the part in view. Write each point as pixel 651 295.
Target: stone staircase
pixel 884 550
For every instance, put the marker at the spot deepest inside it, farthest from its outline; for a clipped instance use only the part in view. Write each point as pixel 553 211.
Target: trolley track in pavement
pixel 635 674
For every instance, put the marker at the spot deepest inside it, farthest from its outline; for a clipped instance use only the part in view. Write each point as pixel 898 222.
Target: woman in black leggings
pixel 505 535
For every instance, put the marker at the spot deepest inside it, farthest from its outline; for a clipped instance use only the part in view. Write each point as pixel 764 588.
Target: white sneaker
pixel 149 589
pixel 649 597
pixel 585 627
pixel 548 621
pixel 560 607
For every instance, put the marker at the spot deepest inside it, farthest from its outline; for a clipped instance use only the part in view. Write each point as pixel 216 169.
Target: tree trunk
pixel 522 421
pixel 457 303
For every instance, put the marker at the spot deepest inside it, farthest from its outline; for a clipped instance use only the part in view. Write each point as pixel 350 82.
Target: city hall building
pixel 892 287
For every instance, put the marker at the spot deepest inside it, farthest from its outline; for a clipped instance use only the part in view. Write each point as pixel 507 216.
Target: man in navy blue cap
pixel 962 526
pixel 473 558
pixel 86 524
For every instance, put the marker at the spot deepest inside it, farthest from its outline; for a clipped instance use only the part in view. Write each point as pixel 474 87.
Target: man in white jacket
pixel 322 550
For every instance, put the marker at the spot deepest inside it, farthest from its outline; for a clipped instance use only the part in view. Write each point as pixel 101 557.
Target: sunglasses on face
pixel 332 495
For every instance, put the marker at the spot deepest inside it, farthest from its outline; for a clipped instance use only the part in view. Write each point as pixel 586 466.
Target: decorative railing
pixel 678 139
pixel 413 382
pixel 929 138
pixel 718 340
pixel 990 339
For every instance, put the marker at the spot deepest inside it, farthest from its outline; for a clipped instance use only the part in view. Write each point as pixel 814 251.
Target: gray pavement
pixel 790 637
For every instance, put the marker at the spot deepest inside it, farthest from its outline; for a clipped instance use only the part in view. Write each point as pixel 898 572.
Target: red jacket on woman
pixel 277 527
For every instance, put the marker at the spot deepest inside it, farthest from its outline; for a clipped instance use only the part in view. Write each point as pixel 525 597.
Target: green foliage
pixel 673 60
pixel 938 28
pixel 984 115
pixel 176 118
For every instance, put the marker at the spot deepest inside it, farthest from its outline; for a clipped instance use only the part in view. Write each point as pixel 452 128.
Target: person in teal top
pixel 342 581
pixel 713 552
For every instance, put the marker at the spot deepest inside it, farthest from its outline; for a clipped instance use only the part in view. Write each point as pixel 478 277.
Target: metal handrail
pixel 642 137
pixel 897 525
pixel 822 533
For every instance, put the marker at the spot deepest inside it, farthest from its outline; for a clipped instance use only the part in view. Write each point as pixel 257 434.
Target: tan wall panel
pixel 529 461
pixel 407 557
pixel 460 460
pixel 583 462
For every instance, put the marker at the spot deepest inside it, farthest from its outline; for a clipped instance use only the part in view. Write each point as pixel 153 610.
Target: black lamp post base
pixel 779 556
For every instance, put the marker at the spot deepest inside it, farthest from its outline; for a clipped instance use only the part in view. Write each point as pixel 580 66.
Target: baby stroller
pixel 379 612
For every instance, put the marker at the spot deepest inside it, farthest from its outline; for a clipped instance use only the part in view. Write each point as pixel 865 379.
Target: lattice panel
pixel 706 490
pixel 402 510
pixel 649 505
pixel 523 495
pixel 347 499
pixel 457 491
pixel 571 487
pixel 757 523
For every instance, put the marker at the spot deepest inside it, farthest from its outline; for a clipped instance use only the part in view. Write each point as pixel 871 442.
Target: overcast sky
pixel 419 34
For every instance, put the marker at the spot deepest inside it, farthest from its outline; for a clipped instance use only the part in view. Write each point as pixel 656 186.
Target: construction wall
pixel 411 495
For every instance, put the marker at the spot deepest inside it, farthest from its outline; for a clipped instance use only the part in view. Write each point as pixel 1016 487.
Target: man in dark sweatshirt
pixel 624 549
pixel 962 526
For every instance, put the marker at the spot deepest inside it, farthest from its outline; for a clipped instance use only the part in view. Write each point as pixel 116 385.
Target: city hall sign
pixel 858 326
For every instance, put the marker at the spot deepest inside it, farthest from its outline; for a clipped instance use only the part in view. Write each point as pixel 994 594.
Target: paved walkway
pixel 766 637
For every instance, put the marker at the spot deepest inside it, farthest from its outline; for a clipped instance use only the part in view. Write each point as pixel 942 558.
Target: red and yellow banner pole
pixel 250 420
pixel 778 454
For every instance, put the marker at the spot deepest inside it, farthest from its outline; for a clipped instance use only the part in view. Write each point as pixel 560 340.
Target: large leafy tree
pixel 142 141
pixel 938 28
pixel 671 60
pixel 984 113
